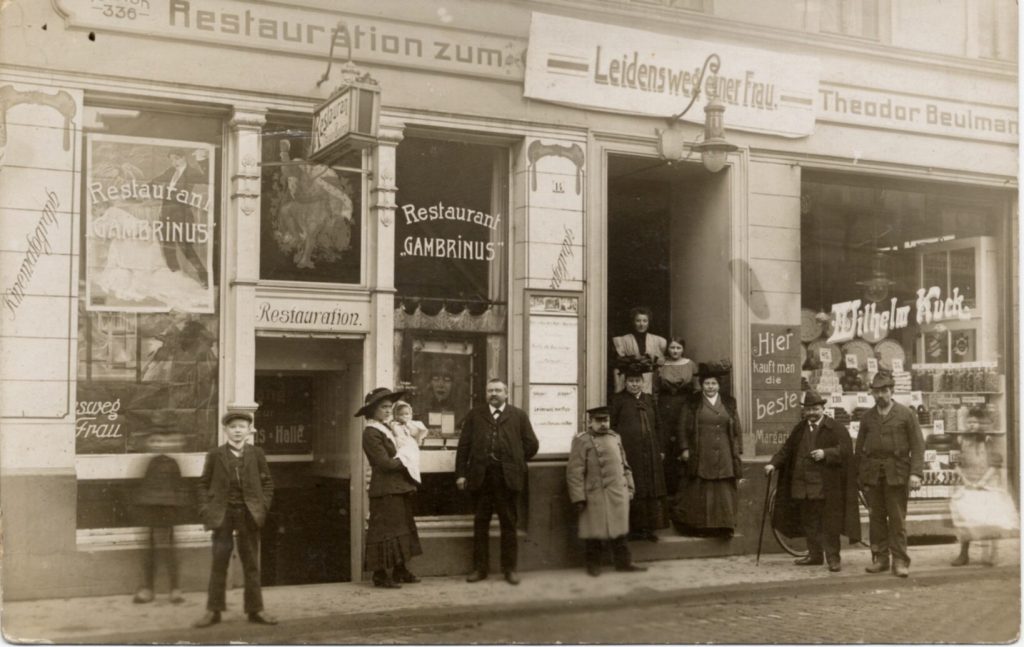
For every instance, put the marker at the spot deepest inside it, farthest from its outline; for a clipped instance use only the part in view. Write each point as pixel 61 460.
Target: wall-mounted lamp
pixel 714 148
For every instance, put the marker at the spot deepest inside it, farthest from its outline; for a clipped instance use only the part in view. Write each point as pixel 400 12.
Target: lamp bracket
pixel 714 63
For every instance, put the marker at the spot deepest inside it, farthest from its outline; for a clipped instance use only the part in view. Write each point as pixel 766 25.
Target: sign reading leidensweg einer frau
pixel 618 69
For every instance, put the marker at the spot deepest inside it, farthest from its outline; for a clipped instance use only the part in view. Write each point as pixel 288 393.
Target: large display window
pixel 909 280
pixel 311 214
pixel 451 278
pixel 148 309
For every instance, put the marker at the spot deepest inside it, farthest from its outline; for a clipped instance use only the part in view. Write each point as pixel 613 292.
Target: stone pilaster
pixel 242 256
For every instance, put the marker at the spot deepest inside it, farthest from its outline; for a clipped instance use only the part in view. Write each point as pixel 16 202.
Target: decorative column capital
pixel 244 118
pixel 390 133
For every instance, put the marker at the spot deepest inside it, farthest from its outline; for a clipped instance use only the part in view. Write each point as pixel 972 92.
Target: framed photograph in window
pixel 442 373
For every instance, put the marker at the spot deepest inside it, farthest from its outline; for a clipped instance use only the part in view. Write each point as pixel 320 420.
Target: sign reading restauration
pixel 312 315
pixel 588 64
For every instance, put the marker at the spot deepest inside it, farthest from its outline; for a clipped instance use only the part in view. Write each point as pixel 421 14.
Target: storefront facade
pixel 160 223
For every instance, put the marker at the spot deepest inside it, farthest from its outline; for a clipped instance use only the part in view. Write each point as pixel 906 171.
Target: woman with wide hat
pixel 710 444
pixel 391 538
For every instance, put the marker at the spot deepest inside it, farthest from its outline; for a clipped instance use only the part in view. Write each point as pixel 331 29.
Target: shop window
pixel 907 281
pixel 850 17
pixel 451 278
pixel 149 275
pixel 311 214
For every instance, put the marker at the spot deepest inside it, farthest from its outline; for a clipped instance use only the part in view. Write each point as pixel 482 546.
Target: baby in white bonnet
pixel 409 434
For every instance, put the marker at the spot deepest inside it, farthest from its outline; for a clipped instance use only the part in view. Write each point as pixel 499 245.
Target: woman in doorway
pixel 391 538
pixel 636 344
pixel 676 385
pixel 635 418
pixel 710 445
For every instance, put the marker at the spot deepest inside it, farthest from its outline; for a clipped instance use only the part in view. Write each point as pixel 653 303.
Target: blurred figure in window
pixel 160 503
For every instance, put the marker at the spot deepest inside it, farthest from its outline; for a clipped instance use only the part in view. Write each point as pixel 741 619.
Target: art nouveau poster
pixel 149 225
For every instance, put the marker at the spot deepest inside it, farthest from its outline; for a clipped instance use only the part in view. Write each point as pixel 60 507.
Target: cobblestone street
pixel 974 610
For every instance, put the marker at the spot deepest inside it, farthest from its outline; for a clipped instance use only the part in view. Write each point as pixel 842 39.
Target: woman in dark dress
pixel 635 419
pixel 391 538
pixel 676 385
pixel 710 444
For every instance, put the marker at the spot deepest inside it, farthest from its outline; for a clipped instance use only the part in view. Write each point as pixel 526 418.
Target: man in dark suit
pixel 235 491
pixel 817 492
pixel 496 441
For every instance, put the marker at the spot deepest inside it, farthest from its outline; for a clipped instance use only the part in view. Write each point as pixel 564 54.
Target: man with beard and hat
pixel 817 494
pixel 890 450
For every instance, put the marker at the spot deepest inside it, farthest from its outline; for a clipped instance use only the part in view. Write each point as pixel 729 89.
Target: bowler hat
pixel 882 380
pixel 598 411
pixel 375 397
pixel 234 414
pixel 812 398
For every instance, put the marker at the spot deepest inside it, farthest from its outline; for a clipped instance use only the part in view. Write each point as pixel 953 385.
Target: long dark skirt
pixel 647 513
pixel 706 504
pixel 391 538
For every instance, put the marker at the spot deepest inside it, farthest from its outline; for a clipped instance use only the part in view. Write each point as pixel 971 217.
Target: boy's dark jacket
pixel 257 485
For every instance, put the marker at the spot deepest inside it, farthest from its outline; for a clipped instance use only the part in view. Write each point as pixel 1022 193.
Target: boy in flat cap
pixel 600 487
pixel 235 492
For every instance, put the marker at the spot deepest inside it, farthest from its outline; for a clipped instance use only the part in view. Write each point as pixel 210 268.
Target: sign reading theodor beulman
pixel 149 225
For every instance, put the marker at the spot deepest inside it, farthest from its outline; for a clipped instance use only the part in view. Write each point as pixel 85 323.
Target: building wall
pixel 747 217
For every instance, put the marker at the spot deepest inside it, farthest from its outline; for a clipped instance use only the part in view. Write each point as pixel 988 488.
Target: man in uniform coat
pixel 600 486
pixel 496 441
pixel 817 494
pixel 890 449
pixel 235 491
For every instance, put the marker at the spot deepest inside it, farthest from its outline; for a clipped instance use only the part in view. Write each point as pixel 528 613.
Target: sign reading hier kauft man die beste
pixel 774 385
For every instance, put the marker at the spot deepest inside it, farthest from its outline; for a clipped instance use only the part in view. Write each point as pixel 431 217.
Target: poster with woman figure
pixel 149 225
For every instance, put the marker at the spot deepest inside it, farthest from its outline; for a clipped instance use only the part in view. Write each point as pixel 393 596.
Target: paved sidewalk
pixel 103 618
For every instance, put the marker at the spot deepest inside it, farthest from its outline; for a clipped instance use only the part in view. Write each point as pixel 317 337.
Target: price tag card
pixel 872 365
pixel 897 365
pixel 825 355
pixel 938 426
pixel 865 401
pixel 448 424
pixel 835 400
pixel 916 399
pixel 851 361
pixel 854 429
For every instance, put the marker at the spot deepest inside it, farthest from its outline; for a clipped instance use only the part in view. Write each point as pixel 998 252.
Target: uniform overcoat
pixel 599 475
pixel 841 513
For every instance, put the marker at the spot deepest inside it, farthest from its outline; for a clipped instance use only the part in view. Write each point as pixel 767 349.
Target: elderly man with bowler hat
pixel 235 492
pixel 890 449
pixel 817 493
pixel 496 441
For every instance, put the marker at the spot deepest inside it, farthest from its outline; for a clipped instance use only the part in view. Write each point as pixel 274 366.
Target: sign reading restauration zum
pixel 588 64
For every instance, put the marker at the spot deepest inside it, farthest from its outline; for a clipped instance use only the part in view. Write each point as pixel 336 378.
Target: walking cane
pixel 764 515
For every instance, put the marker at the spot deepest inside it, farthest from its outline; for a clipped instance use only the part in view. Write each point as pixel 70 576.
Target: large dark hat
pixel 376 396
pixel 881 380
pixel 235 414
pixel 721 368
pixel 633 366
pixel 813 398
pixel 599 411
